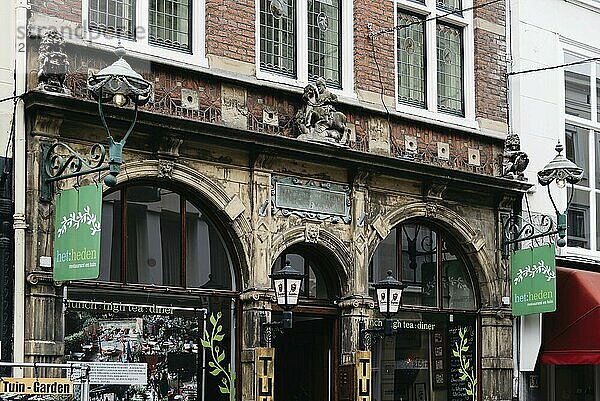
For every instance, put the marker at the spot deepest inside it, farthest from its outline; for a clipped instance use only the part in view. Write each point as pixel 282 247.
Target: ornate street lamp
pixel 562 171
pixel 286 282
pixel 389 297
pixel 120 84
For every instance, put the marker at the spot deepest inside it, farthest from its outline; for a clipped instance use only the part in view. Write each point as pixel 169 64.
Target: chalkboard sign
pixel 462 380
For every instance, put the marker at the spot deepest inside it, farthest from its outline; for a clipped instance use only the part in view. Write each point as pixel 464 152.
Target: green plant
pixel 466 370
pixel 218 357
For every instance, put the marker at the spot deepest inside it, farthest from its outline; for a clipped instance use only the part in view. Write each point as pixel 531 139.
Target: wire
pixel 381 89
pixel 396 27
pixel 10 98
pixel 553 67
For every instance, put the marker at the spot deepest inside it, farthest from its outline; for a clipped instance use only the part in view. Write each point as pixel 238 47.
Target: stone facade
pixel 233 137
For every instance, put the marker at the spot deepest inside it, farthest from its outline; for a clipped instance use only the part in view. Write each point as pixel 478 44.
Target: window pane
pixel 457 287
pixel 597 161
pixel 449 4
pixel 411 59
pixel 577 88
pixel 314 284
pixel 324 50
pixel 450 69
pixel 578 220
pixel 170 23
pixel 110 240
pixel 278 36
pixel 598 93
pixel 112 16
pixel 153 236
pixel 207 261
pixel 576 140
pixel 419 265
pixel 384 259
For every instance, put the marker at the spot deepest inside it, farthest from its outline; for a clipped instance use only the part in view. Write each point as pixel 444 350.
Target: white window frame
pixel 301 80
pixel 591 126
pixel 140 46
pixel 465 22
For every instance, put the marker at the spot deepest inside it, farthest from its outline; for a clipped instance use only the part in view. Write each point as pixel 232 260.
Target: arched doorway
pixel 434 351
pixel 307 356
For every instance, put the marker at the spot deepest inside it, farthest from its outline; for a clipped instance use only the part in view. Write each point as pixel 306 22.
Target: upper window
pixel 430 56
pixel 582 146
pixel 157 27
pixel 429 263
pixel 153 235
pixel 302 41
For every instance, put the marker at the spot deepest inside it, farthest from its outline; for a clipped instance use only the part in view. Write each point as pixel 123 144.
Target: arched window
pixel 166 298
pixel 433 352
pixel 428 261
pixel 153 235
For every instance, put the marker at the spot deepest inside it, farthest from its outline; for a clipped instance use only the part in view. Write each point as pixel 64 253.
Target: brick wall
pixel 490 64
pixel 381 15
pixel 69 10
pixel 230 29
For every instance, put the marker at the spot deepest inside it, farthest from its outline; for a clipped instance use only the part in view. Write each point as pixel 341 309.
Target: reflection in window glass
pixel 324 50
pixel 170 23
pixel 314 284
pixel 450 69
pixel 578 219
pixel 577 88
pixel 457 290
pixel 418 363
pixel 411 59
pixel 110 243
pixel 278 36
pixel 449 4
pixel 419 265
pixel 576 139
pixel 112 16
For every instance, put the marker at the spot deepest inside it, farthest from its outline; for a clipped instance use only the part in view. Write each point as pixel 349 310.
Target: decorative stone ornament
pixel 515 161
pixel 317 120
pixel 54 63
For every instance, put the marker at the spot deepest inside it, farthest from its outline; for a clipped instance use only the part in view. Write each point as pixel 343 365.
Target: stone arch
pixel 229 211
pixel 471 241
pixel 326 243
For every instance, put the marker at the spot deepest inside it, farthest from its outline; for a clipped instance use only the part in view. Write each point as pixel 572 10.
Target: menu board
pixel 462 367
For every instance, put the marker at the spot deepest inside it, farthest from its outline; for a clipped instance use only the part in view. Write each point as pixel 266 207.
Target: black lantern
pixel 389 295
pixel 118 84
pixel 287 282
pixel 562 171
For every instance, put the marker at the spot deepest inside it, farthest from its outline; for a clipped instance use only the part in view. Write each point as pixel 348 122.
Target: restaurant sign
pixel 77 229
pixel 533 280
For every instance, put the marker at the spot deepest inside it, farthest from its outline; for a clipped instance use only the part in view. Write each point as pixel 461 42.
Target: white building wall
pixel 541 31
pixel 7 62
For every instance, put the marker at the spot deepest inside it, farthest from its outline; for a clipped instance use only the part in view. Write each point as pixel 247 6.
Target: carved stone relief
pixel 234 109
pixel 379 136
pixel 312 233
pixel 54 63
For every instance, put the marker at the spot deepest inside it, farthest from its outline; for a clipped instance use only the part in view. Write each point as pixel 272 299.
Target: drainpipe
pixel 20 177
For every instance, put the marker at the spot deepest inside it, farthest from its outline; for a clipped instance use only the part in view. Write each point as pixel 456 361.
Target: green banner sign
pixel 77 233
pixel 533 280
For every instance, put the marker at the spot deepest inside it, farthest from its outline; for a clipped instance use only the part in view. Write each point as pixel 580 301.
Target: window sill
pixel 278 79
pixel 589 4
pixel 579 253
pixel 147 52
pixel 411 112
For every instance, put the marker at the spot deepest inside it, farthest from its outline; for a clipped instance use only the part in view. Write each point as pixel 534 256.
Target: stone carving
pixel 312 233
pixel 515 161
pixel 317 120
pixel 167 147
pixel 54 63
pixel 165 168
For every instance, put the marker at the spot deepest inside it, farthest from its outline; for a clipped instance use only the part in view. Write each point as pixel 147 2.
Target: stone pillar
pixel 496 355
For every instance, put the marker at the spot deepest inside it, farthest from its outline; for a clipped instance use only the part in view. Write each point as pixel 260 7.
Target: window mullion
pixel 142 26
pixel 593 92
pixel 431 62
pixel 302 40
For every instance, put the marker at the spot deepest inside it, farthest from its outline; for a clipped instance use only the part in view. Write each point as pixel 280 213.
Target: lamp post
pixel 120 85
pixel 389 297
pixel 562 171
pixel 286 282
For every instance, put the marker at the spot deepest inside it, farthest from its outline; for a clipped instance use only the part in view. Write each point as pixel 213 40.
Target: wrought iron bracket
pixel 270 331
pixel 60 162
pixel 517 229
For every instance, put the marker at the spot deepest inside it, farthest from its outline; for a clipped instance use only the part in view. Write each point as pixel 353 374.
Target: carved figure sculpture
pixel 515 161
pixel 54 63
pixel 317 119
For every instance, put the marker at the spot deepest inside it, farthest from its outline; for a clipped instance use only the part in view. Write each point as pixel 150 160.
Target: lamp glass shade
pixel 395 295
pixel 383 300
pixel 280 290
pixel 293 291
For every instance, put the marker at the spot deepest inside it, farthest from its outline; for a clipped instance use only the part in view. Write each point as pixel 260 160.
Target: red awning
pixel 571 335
